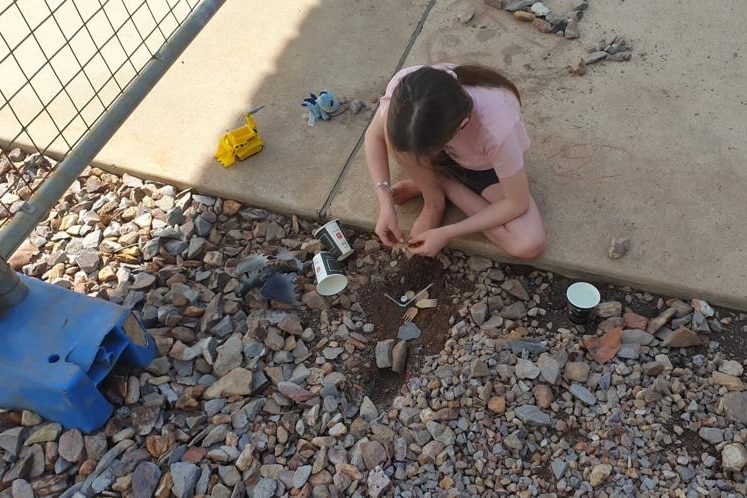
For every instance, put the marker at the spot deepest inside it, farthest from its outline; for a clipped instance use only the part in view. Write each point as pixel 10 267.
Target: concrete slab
pixel 270 53
pixel 652 148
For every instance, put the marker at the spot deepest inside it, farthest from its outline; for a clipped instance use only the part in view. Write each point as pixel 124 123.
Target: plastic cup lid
pixel 583 295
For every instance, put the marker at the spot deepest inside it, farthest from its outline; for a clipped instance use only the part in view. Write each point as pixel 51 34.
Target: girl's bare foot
pixel 404 190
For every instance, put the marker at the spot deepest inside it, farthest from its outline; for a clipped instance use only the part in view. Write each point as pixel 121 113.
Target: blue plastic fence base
pixel 56 347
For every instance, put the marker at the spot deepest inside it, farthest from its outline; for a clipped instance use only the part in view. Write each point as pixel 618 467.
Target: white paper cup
pixel 329 278
pixel 582 299
pixel 331 236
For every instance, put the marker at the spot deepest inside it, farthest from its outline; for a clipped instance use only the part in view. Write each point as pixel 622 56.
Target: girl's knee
pixel 526 247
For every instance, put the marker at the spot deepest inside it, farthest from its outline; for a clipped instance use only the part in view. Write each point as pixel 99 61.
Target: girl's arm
pixel 514 204
pixel 377 160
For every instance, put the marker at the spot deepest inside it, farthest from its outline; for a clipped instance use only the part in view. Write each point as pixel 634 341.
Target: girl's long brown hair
pixel 428 105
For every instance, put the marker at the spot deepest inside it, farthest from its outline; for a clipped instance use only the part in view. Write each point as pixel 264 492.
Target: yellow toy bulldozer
pixel 241 142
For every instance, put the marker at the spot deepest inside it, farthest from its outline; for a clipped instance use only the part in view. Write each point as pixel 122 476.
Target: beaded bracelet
pixel 385 185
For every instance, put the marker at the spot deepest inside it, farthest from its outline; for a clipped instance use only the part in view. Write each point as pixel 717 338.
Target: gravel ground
pixel 501 395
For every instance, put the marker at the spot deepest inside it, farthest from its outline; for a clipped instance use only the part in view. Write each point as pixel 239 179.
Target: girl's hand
pixel 429 242
pixel 387 227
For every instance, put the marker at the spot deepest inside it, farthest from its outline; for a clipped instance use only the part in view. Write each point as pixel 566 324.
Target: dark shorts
pixel 477 181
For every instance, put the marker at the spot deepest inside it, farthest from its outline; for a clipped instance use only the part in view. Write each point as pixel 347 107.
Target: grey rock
pixel 549 367
pixel 441 433
pixel 532 416
pixel 88 260
pixel 635 336
pixel 103 480
pixel 230 355
pixel 595 57
pixel 583 394
pixel 384 353
pixel 580 4
pixel 526 369
pixel 478 311
pixel 572 29
pixel 734 457
pixel 528 345
pixel 150 249
pixel 332 353
pixel 515 288
pixel 713 435
pixel 514 311
pixel 519 5
pixel 22 489
pixel 368 411
pixel 216 435
pixel 202 226
pixel 478 368
pixel 618 247
pixel 700 324
pixel 559 468
pixel 408 331
pixel 301 476
pixel 12 439
pixel 265 488
pixel 378 482
pixel 185 477
pixel 629 351
pixel 356 106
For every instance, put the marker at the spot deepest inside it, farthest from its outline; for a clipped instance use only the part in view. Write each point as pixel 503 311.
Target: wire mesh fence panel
pixel 63 66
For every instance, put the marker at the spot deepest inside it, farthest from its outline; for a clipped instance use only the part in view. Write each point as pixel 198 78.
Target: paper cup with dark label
pixel 582 299
pixel 329 278
pixel 331 236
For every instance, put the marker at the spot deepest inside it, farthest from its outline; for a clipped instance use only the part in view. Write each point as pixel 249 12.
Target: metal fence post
pixel 12 290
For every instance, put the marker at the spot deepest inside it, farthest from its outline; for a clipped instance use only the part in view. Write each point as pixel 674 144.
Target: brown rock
pixel 157 445
pixel 430 452
pixel 661 320
pixel 373 454
pixel 230 207
pixel 524 16
pixel 314 301
pixel 541 25
pixel 237 382
pixel 497 404
pixel 731 382
pixel 634 321
pixel 164 487
pixel 682 338
pixel 543 395
pixel 515 288
pixel 399 357
pixel 577 371
pixel 294 391
pixel 195 454
pixel 71 446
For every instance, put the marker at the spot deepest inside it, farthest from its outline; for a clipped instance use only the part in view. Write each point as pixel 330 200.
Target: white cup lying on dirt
pixel 331 236
pixel 582 299
pixel 329 278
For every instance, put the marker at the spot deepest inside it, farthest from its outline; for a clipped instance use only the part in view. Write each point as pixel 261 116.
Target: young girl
pixel 457 132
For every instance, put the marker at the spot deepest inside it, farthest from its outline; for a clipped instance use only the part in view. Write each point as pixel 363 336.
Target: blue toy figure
pixel 322 107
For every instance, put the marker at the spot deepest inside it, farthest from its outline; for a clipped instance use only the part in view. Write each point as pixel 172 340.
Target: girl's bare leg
pixel 405 190
pixel 522 238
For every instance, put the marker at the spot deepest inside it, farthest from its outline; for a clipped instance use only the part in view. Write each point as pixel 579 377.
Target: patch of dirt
pixel 414 274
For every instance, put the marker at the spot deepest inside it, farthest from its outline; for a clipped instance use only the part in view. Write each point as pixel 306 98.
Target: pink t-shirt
pixel 495 136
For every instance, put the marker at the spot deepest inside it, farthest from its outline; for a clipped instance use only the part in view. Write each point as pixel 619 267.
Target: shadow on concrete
pixel 349 47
